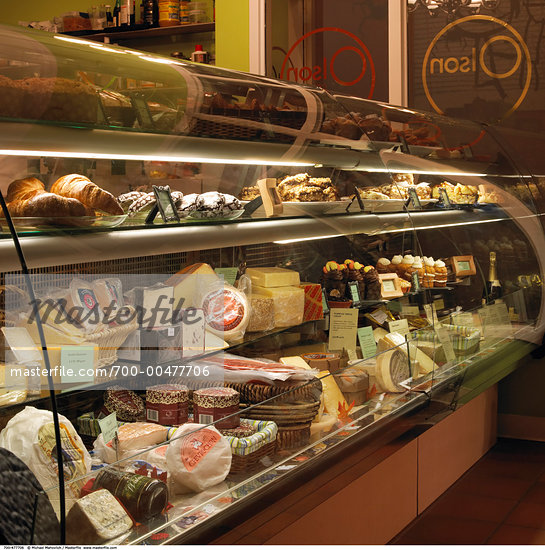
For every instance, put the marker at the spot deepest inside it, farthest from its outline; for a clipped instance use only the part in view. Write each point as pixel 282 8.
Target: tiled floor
pixel 501 500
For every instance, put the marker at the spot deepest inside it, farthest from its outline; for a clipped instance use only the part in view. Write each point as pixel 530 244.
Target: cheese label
pixel 196 446
pixel 410 310
pixel 343 327
pixel 444 338
pixel 401 326
pixel 108 427
pixel 463 319
pixel 229 274
pixel 78 363
pixel 431 314
pixel 367 342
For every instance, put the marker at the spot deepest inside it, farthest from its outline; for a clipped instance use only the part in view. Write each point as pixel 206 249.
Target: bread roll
pixel 23 189
pixel 79 187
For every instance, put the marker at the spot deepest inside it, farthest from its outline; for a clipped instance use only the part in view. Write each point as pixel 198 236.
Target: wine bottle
pixel 493 290
pixel 117 13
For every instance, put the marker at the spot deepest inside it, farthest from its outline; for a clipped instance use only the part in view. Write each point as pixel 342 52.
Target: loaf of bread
pixel 23 189
pixel 47 205
pixel 79 187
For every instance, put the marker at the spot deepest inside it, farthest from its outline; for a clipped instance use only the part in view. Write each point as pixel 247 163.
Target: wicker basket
pixel 282 391
pixel 289 437
pixel 250 462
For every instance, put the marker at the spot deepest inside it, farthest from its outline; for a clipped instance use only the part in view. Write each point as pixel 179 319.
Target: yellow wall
pixel 232 34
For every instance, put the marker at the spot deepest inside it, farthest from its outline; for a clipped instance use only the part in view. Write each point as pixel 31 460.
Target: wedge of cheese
pixel 295 361
pixel 270 277
pixel 333 396
pixel 190 283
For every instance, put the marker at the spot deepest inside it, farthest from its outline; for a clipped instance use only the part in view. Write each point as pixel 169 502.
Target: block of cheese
pixel 190 283
pixel 333 396
pixel 138 435
pixel 96 518
pixel 295 361
pixel 313 302
pixel 270 277
pixel 261 313
pixel 289 304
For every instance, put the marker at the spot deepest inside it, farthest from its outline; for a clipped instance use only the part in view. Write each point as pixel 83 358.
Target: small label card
pixel 367 342
pixel 343 328
pixel 108 427
pixel 354 293
pixel 410 310
pixel 401 326
pixel 77 364
pixel 415 199
pixel 431 314
pixel 463 319
pixel 444 338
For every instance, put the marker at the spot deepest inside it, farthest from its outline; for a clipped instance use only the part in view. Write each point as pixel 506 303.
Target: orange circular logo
pixel 500 61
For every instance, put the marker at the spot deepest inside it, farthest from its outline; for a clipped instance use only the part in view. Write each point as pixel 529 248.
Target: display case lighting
pixel 301 239
pixel 154 158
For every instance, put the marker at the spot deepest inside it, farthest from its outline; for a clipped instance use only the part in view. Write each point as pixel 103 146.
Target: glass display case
pixel 218 280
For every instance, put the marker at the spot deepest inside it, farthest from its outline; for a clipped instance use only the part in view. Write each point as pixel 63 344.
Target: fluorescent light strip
pixel 288 241
pixel 159 158
pixel 427 172
pixel 476 222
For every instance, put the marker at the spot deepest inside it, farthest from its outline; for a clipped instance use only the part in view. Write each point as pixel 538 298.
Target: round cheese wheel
pixel 198 457
pixel 226 312
pixel 392 369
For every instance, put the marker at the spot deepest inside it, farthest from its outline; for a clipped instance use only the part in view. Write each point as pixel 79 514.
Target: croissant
pixel 79 187
pixel 47 205
pixel 23 189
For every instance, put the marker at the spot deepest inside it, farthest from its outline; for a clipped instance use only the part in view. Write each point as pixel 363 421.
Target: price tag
pixel 343 327
pixel 401 326
pixel 367 342
pixel 439 304
pixel 352 355
pixel 77 364
pixel 410 311
pixel 325 305
pixel 394 305
pixel 431 314
pixel 415 282
pixel 463 319
pixel 108 427
pixel 379 316
pixel 444 339
pixel 354 292
pixel 229 274
pixel 444 197
pixel 415 199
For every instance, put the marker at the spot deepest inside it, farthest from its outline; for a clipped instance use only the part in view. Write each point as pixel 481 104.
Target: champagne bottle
pixel 493 290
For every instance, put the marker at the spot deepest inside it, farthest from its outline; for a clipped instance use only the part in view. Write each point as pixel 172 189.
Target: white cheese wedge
pixel 190 283
pixel 270 277
pixel 295 361
pixel 333 396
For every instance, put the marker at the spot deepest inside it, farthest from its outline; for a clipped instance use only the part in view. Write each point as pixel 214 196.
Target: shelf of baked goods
pixel 119 33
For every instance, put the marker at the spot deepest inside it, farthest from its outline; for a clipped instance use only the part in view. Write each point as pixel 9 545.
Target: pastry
pixel 249 193
pixel 334 277
pixel 47 205
pixel 188 205
pixel 423 190
pixel 303 188
pixel 126 199
pixel 76 186
pixel 404 267
pixel 447 186
pixel 465 194
pixel 210 204
pixel 405 286
pixel 24 189
pixel 383 265
pixel 416 267
pixel 440 273
pixel 395 264
pixel 428 280
pixel 143 203
pixel 373 194
pixel 231 204
pixel 372 283
pixel 354 274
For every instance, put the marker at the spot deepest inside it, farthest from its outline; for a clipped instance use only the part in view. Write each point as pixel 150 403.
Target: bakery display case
pixel 223 282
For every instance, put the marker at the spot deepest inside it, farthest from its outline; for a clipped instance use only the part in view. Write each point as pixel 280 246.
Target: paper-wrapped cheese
pixel 96 518
pixel 270 277
pixel 226 312
pixel 333 396
pixel 138 435
pixel 109 293
pixel 289 304
pixel 198 457
pixel 261 314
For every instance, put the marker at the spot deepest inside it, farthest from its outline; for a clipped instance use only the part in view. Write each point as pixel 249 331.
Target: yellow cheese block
pixel 270 277
pixel 289 304
pixel 333 396
pixel 190 283
pixel 295 361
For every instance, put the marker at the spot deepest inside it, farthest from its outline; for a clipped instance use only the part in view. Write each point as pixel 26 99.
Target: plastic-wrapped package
pixel 30 436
